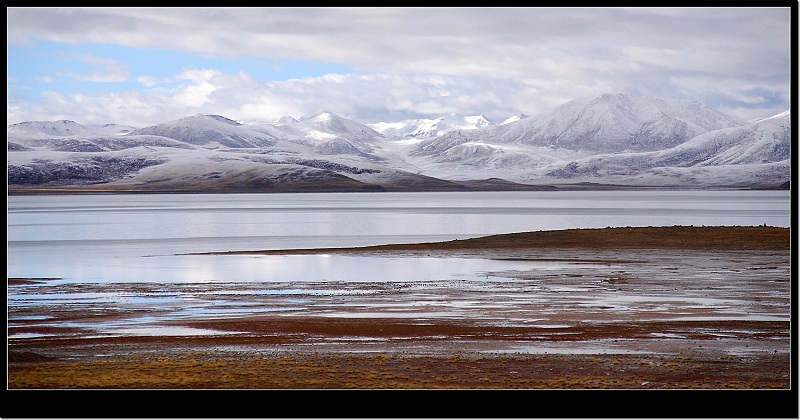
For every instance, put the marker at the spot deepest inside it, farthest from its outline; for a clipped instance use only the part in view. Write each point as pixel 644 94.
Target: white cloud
pixel 104 70
pixel 419 62
pixel 198 91
pixel 147 81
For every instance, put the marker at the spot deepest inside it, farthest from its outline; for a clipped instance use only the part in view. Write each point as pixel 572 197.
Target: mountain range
pixel 607 141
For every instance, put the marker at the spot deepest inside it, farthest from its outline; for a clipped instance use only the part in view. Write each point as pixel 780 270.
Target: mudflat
pixel 618 308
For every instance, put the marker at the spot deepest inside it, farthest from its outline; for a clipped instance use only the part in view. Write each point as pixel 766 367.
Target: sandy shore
pixel 645 325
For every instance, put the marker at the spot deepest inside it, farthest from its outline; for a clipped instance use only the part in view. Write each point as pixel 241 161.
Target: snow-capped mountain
pixel 514 118
pixel 208 130
pixel 427 128
pixel 63 128
pixel 324 126
pixel 59 128
pixel 604 124
pixel 329 134
pixel 286 119
pixel 609 139
pixel 751 152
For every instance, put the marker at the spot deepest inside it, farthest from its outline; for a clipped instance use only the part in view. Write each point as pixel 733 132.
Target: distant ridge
pixel 607 141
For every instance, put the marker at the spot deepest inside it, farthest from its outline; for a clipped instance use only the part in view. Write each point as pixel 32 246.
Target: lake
pixel 137 237
pixel 117 265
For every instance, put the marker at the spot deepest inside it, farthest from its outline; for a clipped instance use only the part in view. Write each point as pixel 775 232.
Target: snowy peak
pixel 221 119
pixel 752 151
pixel 327 119
pixel 428 128
pixel 605 124
pixel 617 122
pixel 514 118
pixel 642 109
pixel 784 114
pixel 467 122
pixel 64 128
pixel 208 129
pixel 61 128
pixel 326 125
pixel 285 120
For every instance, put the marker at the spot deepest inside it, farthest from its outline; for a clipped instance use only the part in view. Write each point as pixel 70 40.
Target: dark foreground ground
pixel 562 341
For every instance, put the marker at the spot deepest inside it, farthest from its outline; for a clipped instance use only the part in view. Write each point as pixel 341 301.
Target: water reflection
pixel 102 238
pixel 279 268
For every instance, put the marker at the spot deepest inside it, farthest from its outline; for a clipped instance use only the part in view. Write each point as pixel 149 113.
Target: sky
pixel 144 66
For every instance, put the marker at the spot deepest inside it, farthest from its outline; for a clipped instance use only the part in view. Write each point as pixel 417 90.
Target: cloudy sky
pixel 149 65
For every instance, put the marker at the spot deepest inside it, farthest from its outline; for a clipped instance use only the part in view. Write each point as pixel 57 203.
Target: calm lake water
pixel 135 238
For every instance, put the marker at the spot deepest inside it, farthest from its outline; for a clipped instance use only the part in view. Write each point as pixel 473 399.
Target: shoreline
pixel 664 237
pixel 466 186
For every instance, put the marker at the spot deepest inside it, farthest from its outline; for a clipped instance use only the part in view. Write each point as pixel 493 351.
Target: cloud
pixel 419 62
pixel 463 41
pixel 103 70
pixel 147 81
pixel 198 91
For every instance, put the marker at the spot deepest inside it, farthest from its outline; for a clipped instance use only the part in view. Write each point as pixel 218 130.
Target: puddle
pixel 169 331
pixel 293 268
pixel 12 335
pixel 549 349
